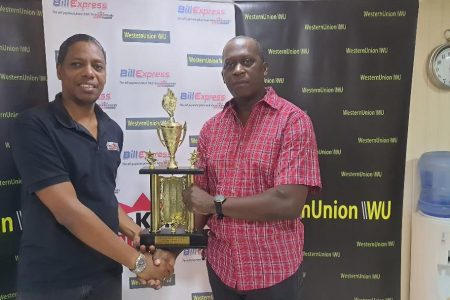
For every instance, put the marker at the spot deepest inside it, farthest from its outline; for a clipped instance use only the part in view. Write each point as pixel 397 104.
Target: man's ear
pixel 58 71
pixel 223 78
pixel 266 68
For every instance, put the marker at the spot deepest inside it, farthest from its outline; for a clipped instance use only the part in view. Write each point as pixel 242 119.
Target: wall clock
pixel 439 64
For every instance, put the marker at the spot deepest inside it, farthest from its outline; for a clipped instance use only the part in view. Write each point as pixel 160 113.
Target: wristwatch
pixel 140 264
pixel 218 201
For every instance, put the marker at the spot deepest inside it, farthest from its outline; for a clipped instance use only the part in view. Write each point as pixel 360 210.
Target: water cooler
pixel 430 234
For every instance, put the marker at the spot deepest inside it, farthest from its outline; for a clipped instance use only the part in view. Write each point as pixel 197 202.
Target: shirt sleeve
pixel 201 180
pixel 35 154
pixel 298 161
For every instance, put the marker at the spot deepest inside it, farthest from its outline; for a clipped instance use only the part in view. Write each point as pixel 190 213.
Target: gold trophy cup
pixel 172 225
pixel 170 133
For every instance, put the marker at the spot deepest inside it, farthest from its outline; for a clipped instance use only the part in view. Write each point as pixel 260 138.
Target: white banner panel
pixel 151 46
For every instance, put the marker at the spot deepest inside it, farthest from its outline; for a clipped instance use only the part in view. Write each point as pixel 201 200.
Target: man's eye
pixel 98 67
pixel 75 64
pixel 228 65
pixel 247 62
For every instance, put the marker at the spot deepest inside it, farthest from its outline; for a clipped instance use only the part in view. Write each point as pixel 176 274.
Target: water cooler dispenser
pixel 430 238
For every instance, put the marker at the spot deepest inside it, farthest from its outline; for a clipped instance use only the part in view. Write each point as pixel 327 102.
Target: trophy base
pixel 197 239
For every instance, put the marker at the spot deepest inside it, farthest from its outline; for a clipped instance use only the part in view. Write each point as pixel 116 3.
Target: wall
pixel 429 123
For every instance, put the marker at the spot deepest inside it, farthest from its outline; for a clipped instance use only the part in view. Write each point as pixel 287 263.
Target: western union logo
pixel 384 13
pixel 145 36
pixel 143 123
pixel 201 60
pixel 380 77
pixel 8 115
pixel 19 49
pixel 136 284
pixel 20 11
pixel 202 296
pixel 370 210
pixel 22 77
pixel 193 140
pixel 288 51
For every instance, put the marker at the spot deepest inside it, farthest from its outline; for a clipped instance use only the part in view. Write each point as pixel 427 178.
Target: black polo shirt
pixel 49 147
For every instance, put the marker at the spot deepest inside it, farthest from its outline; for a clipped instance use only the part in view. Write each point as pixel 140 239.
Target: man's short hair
pixel 80 37
pixel 259 48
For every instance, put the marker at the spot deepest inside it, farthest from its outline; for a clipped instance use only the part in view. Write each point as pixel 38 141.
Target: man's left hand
pixel 198 201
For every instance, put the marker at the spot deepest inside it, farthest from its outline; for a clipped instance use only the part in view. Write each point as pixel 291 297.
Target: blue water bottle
pixel 434 168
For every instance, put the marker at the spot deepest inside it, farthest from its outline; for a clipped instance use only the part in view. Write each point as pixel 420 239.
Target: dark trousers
pixel 288 289
pixel 106 288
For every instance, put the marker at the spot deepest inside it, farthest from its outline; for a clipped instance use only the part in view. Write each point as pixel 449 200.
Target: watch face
pixel 219 198
pixel 441 66
pixel 141 263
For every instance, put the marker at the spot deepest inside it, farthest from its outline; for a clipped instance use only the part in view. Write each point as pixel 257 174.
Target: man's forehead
pixel 82 49
pixel 239 47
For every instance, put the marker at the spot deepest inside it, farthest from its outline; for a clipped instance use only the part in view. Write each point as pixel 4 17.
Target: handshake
pixel 153 266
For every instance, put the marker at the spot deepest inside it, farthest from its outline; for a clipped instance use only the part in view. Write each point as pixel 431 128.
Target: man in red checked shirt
pixel 260 160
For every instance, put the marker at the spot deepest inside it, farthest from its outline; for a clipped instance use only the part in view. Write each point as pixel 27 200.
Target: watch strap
pixel 218 201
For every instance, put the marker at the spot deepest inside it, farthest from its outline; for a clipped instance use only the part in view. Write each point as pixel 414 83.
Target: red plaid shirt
pixel 276 146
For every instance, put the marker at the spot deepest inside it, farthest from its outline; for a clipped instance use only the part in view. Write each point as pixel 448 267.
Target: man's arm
pixel 128 227
pixel 278 203
pixel 200 221
pixel 63 203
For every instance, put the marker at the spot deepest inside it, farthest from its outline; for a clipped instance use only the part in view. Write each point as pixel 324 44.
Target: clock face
pixel 441 66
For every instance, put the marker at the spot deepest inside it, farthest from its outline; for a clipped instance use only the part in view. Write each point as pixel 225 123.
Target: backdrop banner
pixel 151 46
pixel 349 65
pixel 23 84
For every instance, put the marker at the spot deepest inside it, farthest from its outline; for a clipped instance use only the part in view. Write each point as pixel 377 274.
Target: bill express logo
pixel 196 13
pixel 193 254
pixel 141 74
pixel 104 101
pixel 199 96
pixel 81 5
pixel 368 210
pixel 200 11
pixel 138 76
pixel 137 158
pixel 136 154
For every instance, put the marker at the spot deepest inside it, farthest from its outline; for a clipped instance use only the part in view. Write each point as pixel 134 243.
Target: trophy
pixel 170 133
pixel 172 225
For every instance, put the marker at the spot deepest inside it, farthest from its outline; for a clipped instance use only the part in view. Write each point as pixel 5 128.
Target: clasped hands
pixel 160 263
pixel 160 266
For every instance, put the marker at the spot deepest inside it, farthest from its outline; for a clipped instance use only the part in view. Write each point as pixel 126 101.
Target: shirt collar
pixel 66 120
pixel 270 98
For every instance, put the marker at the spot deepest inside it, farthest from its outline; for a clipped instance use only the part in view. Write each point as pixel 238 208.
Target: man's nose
pixel 239 69
pixel 88 71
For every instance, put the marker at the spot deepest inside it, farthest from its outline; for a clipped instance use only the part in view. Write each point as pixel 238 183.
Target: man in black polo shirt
pixel 67 153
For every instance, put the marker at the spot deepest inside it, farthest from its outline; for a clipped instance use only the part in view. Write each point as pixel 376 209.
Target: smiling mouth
pixel 87 87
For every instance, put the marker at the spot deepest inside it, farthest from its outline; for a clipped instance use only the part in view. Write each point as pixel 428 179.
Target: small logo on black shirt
pixel 112 146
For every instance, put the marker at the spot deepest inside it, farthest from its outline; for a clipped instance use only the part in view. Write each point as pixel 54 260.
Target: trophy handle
pixel 158 131
pixel 184 134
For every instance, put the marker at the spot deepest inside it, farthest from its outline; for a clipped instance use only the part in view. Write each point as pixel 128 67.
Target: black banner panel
pixel 348 64
pixel 23 84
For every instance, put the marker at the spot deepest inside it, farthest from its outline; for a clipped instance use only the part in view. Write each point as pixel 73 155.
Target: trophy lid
pixel 169 104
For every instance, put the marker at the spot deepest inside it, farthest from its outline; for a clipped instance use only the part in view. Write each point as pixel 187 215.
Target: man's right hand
pixel 155 274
